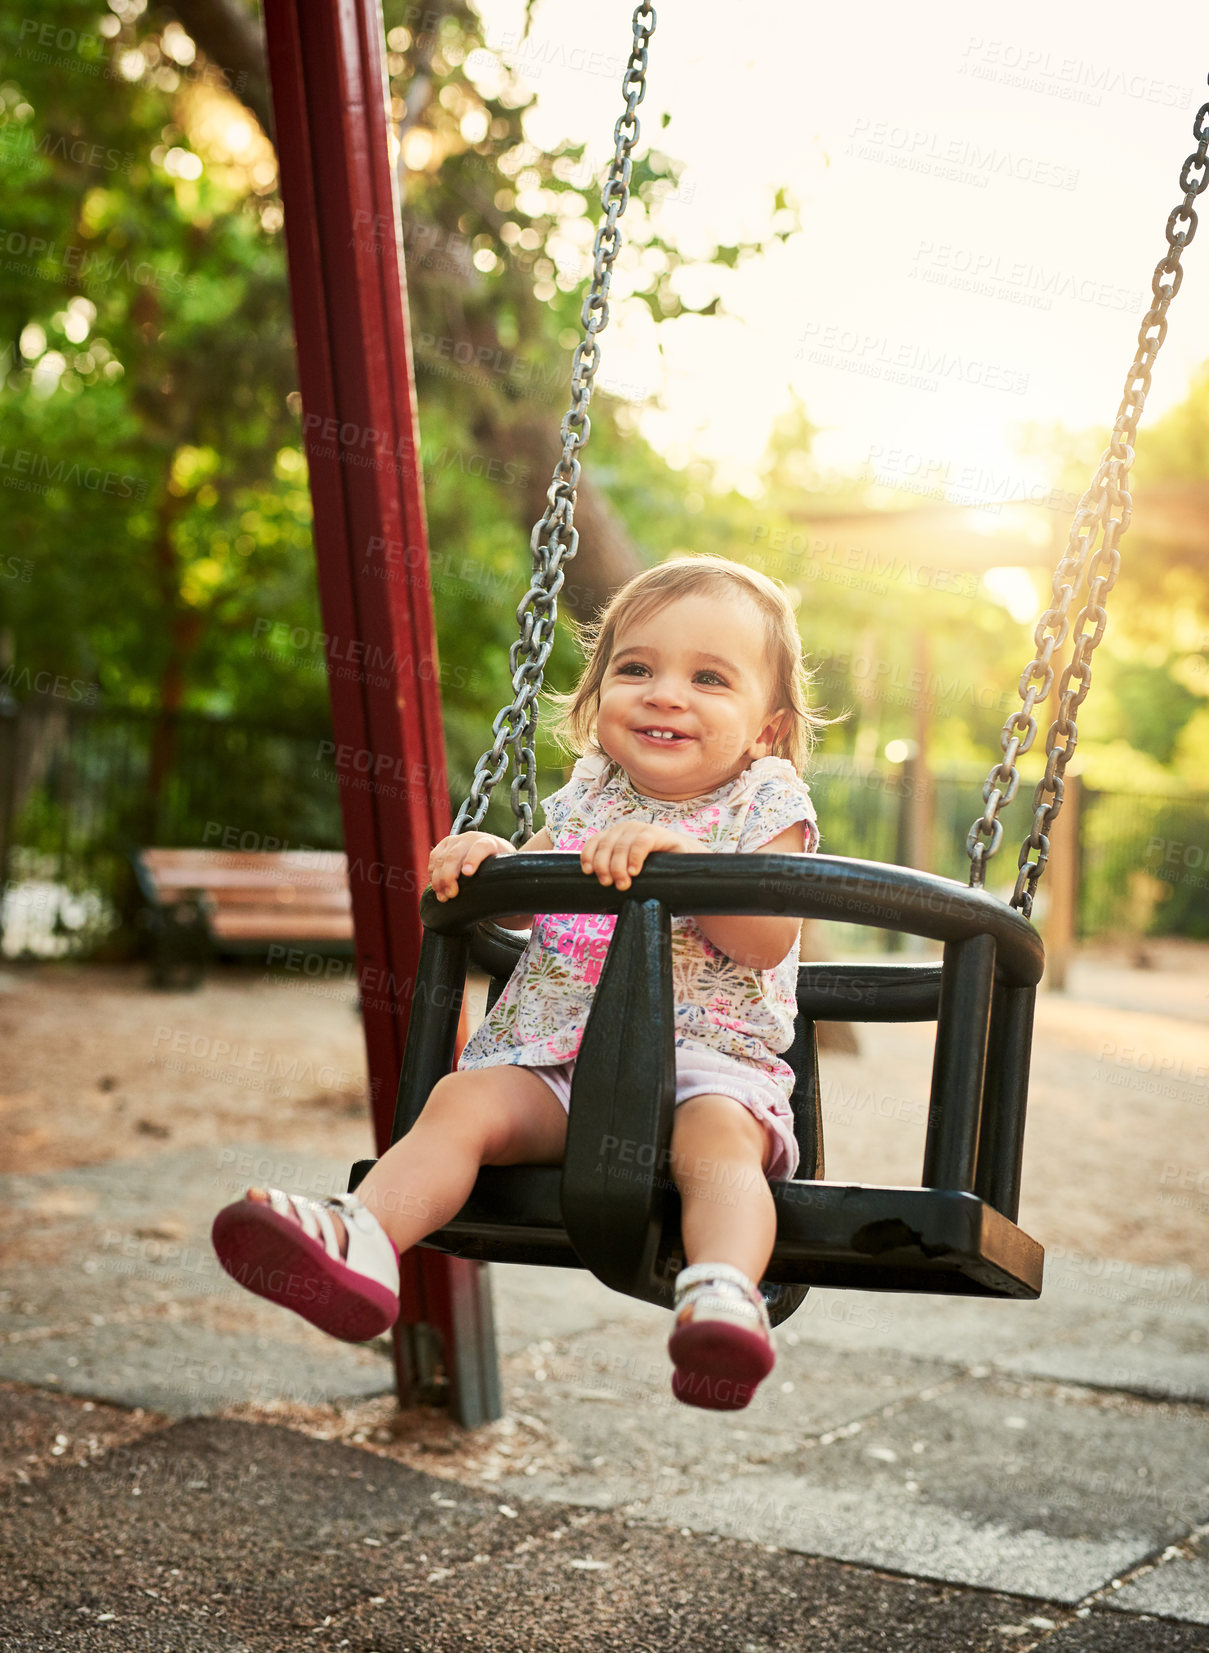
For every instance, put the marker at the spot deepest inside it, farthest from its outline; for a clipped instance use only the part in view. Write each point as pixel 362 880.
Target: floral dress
pixel 722 1007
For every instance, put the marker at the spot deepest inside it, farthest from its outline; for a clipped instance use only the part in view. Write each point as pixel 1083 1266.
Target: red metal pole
pixel 358 394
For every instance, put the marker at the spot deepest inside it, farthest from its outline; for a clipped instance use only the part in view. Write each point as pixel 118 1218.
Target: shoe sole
pixel 718 1367
pixel 270 1255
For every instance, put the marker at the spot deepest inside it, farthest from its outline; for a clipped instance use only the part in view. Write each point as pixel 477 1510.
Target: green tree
pixel 150 382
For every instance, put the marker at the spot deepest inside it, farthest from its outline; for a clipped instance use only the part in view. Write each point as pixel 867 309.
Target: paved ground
pixel 183 1468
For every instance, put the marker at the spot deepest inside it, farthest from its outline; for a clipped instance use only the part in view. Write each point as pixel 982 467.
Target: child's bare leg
pixel 728 1216
pixel 720 1343
pixel 486 1116
pixel 336 1262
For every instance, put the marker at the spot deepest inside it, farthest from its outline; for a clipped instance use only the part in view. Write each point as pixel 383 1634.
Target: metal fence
pixel 80 790
pixel 1144 863
pixel 1142 857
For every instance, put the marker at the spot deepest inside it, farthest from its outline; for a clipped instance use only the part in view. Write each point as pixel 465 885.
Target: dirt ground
pixel 94 1066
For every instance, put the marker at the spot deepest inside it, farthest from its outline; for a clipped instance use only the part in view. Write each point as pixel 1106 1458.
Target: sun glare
pixel 942 294
pixel 1015 589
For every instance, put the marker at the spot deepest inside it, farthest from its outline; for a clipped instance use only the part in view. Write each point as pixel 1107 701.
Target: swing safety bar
pixel 612 1206
pixel 813 886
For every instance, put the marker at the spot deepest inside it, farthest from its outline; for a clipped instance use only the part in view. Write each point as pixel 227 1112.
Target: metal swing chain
pixel 1108 506
pixel 555 539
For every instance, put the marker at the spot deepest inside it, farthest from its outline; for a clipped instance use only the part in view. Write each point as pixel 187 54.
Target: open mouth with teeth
pixel 666 737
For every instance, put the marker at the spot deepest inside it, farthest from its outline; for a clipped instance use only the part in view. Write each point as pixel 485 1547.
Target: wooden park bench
pixel 203 902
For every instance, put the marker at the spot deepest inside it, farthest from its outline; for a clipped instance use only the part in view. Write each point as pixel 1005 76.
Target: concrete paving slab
pixel 180 1368
pixel 626 1360
pixel 1089 1304
pixel 618 1434
pixel 102 1276
pixel 558 1303
pixel 1017 1490
pixel 1134 1367
pixel 138 1311
pixel 966 1330
pixel 35 1300
pixel 1151 1342
pixel 1177 1586
pixel 245 1538
pixel 534 1304
pixel 963 1330
pixel 179 1183
pixel 126 1234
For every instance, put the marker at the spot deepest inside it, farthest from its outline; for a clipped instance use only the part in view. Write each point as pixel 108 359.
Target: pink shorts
pixel 701 1072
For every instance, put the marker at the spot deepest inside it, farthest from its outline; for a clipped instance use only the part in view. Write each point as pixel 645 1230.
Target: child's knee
pixel 452 1101
pixel 501 1115
pixel 716 1119
pixel 465 1101
pixel 718 1142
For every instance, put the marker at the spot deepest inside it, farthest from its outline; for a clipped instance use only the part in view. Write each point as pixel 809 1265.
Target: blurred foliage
pixel 154 476
pixel 155 481
pixel 1151 684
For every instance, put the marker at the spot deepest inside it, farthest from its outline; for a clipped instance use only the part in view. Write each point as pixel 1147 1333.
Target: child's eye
pixel 636 668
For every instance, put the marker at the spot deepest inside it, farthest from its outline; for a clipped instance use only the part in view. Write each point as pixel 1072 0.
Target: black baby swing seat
pixel 611 1207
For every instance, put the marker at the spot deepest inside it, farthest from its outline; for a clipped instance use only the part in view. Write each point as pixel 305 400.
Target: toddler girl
pixel 691 722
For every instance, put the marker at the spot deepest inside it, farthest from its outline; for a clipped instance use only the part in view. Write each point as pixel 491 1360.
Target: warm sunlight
pixel 965 266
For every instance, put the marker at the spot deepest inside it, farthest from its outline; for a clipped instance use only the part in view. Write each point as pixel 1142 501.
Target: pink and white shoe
pixel 721 1344
pixel 286 1249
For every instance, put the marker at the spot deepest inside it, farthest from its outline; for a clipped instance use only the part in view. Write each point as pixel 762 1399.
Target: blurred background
pixel 869 331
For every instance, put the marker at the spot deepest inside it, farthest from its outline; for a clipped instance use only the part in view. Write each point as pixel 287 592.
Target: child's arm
pixel 617 854
pixel 464 852
pixel 759 943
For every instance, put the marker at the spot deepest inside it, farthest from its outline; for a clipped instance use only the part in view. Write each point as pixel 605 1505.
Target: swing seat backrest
pixel 612 1207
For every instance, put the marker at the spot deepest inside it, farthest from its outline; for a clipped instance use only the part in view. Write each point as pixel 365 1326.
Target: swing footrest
pixel 828 1234
pixel 901 1239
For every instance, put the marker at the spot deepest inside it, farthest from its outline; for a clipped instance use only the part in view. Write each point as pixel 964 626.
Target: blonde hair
pixel 573 724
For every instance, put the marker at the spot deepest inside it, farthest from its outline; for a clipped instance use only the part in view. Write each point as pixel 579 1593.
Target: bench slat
pixel 264 912
pixel 210 878
pixel 329 859
pixel 282 895
pixel 275 926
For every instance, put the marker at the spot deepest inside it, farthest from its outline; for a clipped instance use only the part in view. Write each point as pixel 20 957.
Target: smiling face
pixel 685 698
